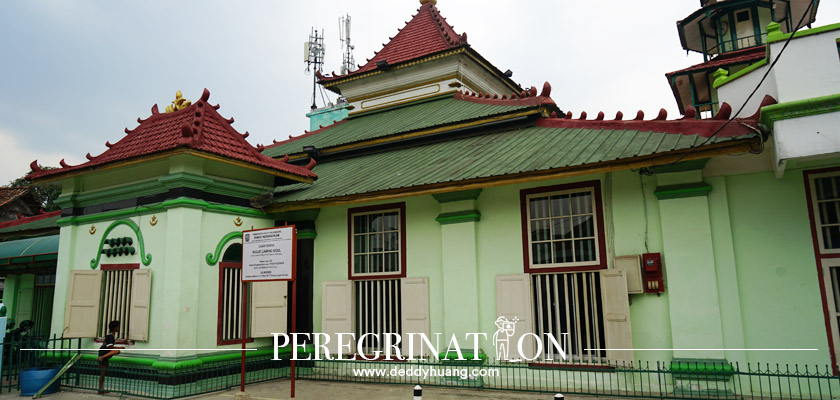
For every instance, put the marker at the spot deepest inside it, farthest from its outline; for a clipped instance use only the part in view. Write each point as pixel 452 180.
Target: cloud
pixel 16 158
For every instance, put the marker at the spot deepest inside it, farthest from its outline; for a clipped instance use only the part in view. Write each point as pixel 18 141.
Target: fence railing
pixel 697 380
pixel 18 356
pixel 737 44
pixel 657 380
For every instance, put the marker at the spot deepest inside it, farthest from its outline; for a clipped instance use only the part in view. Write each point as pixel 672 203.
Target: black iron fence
pixel 673 380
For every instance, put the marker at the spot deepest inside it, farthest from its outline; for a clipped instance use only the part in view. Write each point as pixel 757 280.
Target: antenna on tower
pixel 313 53
pixel 348 63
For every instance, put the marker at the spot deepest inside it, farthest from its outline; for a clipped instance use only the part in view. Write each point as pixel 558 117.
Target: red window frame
pixel 222 267
pixel 595 185
pixel 820 256
pixel 381 207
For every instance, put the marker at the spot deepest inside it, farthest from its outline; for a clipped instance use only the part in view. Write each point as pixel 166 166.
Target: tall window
pixel 377 260
pixel 116 300
pixel 823 192
pixel 232 293
pixel 563 227
pixel 563 246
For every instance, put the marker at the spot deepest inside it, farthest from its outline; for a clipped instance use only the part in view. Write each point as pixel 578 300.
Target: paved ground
pixel 311 390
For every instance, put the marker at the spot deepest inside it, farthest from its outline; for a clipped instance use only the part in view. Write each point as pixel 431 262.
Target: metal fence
pixel 16 359
pixel 692 380
pixel 673 380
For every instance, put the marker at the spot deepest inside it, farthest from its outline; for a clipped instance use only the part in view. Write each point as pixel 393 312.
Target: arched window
pixel 231 294
pixel 233 254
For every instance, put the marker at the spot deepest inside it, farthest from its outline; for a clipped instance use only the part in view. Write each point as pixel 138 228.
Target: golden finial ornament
pixel 178 104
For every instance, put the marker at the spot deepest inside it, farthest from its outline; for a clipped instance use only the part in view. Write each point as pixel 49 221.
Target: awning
pixel 30 251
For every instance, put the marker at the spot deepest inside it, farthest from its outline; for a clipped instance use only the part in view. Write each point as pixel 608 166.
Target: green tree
pixel 46 194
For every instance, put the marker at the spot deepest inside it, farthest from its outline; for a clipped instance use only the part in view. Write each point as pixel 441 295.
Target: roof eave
pixel 716 149
pixel 166 154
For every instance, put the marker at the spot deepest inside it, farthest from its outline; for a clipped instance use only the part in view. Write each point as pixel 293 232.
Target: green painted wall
pixel 757 233
pixel 756 250
pixel 184 307
pixel 423 249
pixel 777 275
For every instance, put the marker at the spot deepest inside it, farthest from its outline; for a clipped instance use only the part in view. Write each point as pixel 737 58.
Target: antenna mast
pixel 348 63
pixel 314 52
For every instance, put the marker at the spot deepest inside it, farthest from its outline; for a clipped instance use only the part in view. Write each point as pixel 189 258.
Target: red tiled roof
pixel 26 220
pixel 198 127
pixel 427 33
pixel 9 194
pixel 736 57
pixel 525 98
pixel 687 125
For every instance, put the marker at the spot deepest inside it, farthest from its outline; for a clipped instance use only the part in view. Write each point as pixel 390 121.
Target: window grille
pixel 378 311
pixel 116 301
pixel 570 303
pixel 231 304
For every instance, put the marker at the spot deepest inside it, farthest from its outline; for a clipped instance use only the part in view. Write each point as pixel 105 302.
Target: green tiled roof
pixel 40 224
pixel 497 154
pixel 441 111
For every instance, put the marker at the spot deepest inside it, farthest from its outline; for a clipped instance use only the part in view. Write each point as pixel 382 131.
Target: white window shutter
pixel 24 307
pixel 337 312
pixel 513 300
pixel 268 308
pixel 81 315
pixel 415 311
pixel 617 316
pixel 141 298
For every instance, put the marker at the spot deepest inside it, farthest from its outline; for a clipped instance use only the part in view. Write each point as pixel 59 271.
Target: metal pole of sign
pixel 264 260
pixel 244 308
pixel 294 330
pixel 294 301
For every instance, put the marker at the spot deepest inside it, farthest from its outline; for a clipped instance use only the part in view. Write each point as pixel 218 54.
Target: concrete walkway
pixel 313 390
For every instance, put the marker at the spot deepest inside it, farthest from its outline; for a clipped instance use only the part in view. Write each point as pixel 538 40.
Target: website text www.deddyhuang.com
pixel 426 373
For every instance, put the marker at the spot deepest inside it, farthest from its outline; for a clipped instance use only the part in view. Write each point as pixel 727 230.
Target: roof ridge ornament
pixel 178 104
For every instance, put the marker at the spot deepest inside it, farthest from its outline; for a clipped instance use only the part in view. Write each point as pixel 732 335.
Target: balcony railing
pixel 737 44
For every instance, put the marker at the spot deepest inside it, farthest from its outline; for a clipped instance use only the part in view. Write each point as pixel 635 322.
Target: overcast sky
pixel 75 74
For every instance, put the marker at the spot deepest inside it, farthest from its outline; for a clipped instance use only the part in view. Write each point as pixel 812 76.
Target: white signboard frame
pixel 269 254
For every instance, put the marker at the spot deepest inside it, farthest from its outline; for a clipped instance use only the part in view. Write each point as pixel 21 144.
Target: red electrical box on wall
pixel 652 267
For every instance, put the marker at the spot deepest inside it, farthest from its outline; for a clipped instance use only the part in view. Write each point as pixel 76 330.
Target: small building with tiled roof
pixel 448 202
pixel 144 226
pixel 16 202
